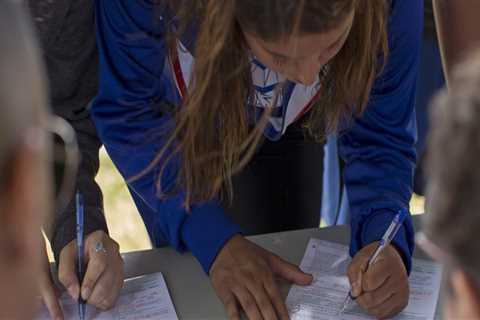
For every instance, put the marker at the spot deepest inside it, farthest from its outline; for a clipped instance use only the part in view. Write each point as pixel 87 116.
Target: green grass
pixel 123 219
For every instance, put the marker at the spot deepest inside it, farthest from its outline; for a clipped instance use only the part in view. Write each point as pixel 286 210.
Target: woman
pixel 188 91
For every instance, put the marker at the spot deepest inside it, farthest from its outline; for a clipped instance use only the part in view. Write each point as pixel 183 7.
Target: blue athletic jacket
pixel 378 148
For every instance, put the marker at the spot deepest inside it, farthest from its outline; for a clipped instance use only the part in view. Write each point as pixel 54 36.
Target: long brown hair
pixel 212 134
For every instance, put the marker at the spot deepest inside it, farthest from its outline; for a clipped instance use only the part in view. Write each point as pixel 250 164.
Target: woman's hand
pixel 383 289
pixel 243 274
pixel 104 270
pixel 48 290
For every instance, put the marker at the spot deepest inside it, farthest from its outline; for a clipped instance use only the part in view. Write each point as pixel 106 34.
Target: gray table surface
pixel 190 288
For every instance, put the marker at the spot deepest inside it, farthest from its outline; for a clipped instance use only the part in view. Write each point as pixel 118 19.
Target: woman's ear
pixel 466 296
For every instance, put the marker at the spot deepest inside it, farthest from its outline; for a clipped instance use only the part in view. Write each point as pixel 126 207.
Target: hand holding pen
pixel 378 275
pixel 99 266
pixel 102 266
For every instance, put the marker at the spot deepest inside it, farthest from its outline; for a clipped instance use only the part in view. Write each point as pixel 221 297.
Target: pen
pixel 384 242
pixel 80 251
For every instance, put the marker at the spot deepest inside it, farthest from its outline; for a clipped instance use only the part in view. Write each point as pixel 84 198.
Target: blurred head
pixel 24 183
pixel 297 39
pixel 453 201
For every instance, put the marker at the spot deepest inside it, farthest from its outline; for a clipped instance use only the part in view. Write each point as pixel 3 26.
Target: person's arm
pixel 63 229
pixel 134 80
pixel 379 152
pixel 71 59
pixel 458 30
pixel 379 148
pixel 66 32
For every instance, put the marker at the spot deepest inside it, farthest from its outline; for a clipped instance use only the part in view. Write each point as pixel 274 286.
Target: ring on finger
pixel 99 247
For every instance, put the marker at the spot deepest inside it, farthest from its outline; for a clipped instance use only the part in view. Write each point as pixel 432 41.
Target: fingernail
pixel 73 291
pixel 86 293
pixel 356 288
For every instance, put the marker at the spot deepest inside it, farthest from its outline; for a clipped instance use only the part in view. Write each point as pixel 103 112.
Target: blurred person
pixel 25 175
pixel 66 32
pixel 458 30
pixel 453 220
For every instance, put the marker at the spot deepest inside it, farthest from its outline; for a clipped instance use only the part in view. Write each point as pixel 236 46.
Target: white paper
pixel 323 300
pixel 144 297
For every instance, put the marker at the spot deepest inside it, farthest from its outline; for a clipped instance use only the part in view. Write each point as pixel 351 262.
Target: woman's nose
pixel 307 72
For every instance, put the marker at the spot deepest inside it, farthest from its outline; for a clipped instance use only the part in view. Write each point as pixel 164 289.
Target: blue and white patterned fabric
pixel 292 98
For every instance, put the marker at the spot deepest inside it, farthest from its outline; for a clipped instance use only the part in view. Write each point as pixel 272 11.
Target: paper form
pixel 144 297
pixel 322 300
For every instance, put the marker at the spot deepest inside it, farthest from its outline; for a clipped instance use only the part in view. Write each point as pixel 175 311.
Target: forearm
pixel 66 32
pixel 61 229
pixel 457 26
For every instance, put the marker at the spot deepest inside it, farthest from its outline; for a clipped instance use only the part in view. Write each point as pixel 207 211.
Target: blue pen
pixel 80 251
pixel 391 232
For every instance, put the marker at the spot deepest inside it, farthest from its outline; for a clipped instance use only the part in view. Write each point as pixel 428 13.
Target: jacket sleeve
pixel 134 80
pixel 378 149
pixel 70 55
pixel 62 229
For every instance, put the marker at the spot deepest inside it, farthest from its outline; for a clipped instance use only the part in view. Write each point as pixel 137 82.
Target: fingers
pixel 67 270
pixel 107 290
pixel 242 277
pixel 388 309
pixel 356 279
pixel 262 299
pixel 389 299
pixel 373 299
pixel 103 280
pixel 49 296
pixel 247 301
pixel 243 289
pixel 48 291
pixel 273 291
pixel 101 295
pixel 231 305
pixel 385 287
pixel 355 271
pixel 97 263
pixel 376 276
pixel 289 271
pixel 50 299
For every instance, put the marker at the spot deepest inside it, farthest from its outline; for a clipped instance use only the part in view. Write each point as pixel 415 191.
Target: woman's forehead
pixel 271 18
pixel 297 47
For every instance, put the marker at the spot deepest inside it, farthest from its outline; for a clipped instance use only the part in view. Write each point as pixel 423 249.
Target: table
pixel 190 288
